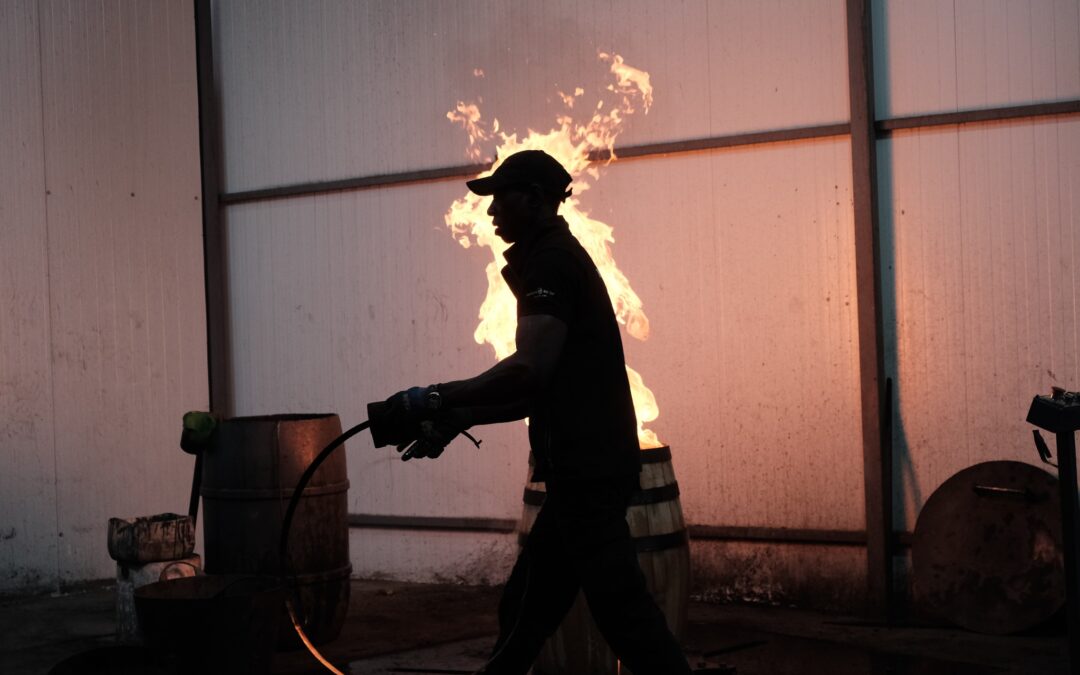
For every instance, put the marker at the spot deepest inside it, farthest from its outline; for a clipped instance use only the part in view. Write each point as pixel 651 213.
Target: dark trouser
pixel 581 540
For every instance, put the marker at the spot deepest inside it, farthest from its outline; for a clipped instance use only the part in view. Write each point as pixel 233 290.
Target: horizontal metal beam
pixel 884 128
pixel 468 170
pixel 455 524
pixel 784 535
pixel 716 142
pixel 361 183
pixel 773 535
pixel 778 535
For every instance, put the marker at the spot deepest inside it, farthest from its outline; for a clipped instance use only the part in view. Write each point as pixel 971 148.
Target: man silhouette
pixel 568 376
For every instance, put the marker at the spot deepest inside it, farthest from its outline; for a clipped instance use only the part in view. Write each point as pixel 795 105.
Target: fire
pixel 571 143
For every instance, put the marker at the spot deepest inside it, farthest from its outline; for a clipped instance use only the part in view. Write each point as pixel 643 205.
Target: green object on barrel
pixel 195 439
pixel 198 430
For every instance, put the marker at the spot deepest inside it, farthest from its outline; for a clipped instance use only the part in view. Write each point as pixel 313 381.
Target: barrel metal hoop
pixel 656 455
pixel 661 542
pixel 272 493
pixel 664 493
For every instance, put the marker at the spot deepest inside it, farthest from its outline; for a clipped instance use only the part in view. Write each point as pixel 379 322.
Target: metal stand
pixel 1060 414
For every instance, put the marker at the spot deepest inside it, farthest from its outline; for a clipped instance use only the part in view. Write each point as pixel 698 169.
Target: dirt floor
pixel 420 628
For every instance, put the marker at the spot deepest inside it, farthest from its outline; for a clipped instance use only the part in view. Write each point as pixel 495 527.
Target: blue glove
pixel 397 419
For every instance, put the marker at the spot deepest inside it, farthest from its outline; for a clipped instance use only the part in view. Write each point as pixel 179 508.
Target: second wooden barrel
pixel 659 531
pixel 249 474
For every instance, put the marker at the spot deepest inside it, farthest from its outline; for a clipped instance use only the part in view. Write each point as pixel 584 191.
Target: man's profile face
pixel 511 213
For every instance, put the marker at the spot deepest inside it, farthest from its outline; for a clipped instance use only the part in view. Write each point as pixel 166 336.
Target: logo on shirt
pixel 540 293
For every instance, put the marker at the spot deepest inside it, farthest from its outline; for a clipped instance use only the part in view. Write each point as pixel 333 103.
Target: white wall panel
pixel 984 233
pixel 27 472
pixel 744 261
pixel 432 556
pixel 933 56
pixel 346 298
pixel 321 90
pixel 125 263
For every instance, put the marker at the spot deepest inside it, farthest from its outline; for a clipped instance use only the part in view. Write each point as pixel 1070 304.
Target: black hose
pixel 286 524
pixel 283 546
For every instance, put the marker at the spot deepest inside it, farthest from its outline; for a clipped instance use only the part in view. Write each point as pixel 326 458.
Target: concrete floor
pixel 395 627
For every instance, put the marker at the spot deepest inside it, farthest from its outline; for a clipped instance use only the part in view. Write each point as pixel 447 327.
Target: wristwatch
pixel 434 398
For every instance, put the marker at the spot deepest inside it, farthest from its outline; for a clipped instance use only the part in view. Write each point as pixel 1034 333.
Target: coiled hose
pixel 283 545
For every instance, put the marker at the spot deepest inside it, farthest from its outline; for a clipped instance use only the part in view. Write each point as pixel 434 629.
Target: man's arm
pixel 508 386
pixel 493 414
pixel 503 393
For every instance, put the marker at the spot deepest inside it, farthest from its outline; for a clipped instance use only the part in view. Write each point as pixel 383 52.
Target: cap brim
pixel 485 186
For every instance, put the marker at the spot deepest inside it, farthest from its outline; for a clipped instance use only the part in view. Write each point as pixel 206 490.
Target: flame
pixel 629 81
pixel 568 99
pixel 571 143
pixel 468 116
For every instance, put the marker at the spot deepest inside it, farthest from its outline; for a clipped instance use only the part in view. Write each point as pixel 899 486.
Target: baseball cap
pixel 524 168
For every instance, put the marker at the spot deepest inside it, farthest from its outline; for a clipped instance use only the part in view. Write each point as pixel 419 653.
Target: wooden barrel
pixel 656 524
pixel 249 474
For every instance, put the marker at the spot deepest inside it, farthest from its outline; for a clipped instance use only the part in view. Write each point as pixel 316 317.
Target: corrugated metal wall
pixel 743 256
pixel 328 89
pixel 103 333
pixel 981 230
pixel 28 542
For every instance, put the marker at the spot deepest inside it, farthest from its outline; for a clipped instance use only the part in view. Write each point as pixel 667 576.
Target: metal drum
pixel 249 474
pixel 656 524
pixel 987 552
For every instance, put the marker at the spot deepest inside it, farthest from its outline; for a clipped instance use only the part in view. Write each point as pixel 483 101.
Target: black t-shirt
pixel 582 425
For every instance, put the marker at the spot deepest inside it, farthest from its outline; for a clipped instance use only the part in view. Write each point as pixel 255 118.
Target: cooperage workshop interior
pixel 572 337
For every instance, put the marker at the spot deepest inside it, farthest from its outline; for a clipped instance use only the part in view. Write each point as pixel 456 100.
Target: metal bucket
pixel 130 577
pixel 656 523
pixel 249 474
pixel 213 624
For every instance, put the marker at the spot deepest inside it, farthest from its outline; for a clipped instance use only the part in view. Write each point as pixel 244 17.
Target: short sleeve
pixel 551 285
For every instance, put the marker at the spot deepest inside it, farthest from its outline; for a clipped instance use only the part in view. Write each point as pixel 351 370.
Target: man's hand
pixel 397 420
pixel 434 435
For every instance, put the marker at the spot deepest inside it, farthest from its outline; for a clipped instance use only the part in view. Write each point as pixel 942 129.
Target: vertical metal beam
pixel 1070 528
pixel 217 333
pixel 877 458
